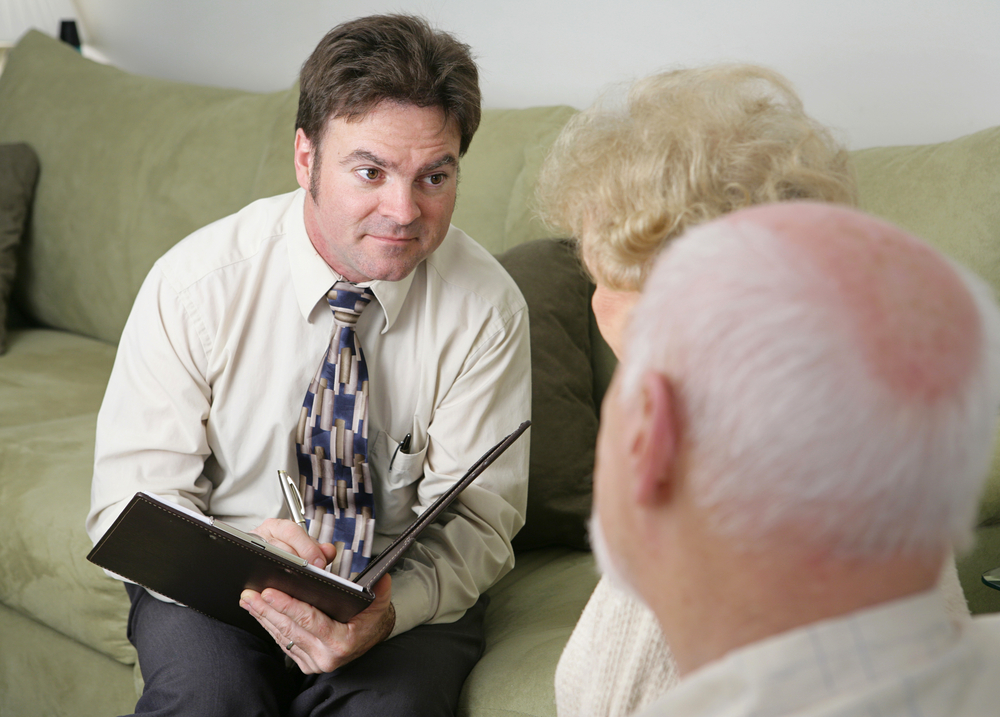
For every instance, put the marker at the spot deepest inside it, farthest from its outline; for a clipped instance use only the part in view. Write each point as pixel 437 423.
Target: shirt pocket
pixel 395 487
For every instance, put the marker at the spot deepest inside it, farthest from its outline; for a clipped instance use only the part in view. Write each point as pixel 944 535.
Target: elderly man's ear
pixel 654 441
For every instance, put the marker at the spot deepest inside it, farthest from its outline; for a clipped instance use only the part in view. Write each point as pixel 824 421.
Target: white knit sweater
pixel 616 660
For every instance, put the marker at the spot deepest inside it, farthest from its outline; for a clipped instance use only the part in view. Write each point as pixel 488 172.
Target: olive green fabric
pixel 52 388
pixel 532 612
pixel 52 676
pixel 131 166
pixel 563 413
pixel 52 375
pixel 948 194
pixel 502 164
pixel 18 172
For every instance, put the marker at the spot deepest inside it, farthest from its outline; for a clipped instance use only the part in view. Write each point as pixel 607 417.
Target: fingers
pixel 329 550
pixel 319 644
pixel 291 538
pixel 272 610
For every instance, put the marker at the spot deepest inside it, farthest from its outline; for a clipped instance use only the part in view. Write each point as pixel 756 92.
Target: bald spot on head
pixel 914 322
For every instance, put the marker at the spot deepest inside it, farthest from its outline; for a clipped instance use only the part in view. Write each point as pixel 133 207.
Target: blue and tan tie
pixel 332 440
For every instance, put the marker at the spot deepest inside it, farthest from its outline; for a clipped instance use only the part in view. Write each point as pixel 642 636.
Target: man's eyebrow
pixel 365 155
pixel 447 160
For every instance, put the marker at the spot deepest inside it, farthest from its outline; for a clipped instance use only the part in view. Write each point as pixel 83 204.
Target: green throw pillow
pixel 18 172
pixel 563 413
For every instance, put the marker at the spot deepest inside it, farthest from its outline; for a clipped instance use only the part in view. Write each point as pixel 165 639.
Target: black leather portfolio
pixel 205 564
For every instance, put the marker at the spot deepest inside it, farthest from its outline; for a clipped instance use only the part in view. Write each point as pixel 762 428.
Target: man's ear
pixel 303 159
pixel 655 440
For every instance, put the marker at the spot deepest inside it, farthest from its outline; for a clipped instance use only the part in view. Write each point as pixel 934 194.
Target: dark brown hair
pixel 399 58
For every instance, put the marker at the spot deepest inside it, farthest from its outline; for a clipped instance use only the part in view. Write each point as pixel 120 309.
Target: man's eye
pixel 437 179
pixel 370 173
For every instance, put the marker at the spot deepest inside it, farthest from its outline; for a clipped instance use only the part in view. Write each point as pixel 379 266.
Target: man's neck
pixel 723 599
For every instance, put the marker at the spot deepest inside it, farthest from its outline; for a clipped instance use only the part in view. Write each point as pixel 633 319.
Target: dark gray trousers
pixel 194 665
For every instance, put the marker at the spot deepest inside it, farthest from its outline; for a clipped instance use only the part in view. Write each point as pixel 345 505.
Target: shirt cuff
pixel 410 599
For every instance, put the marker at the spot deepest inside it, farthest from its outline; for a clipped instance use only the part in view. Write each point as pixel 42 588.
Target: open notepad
pixel 205 564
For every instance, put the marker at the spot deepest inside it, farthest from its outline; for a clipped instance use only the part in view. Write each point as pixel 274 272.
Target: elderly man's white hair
pixel 784 419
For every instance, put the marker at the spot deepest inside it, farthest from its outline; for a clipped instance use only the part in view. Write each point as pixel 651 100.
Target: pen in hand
pixel 292 498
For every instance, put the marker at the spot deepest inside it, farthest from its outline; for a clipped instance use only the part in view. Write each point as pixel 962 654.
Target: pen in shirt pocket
pixel 403 446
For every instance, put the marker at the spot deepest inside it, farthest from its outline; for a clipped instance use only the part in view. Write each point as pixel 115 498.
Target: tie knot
pixel 345 297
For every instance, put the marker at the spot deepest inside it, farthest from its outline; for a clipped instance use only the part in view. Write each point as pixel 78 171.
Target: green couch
pixel 129 166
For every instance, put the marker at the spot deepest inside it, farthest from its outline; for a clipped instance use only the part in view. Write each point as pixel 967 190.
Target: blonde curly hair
pixel 688 146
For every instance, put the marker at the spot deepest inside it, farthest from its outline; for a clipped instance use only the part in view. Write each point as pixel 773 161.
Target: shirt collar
pixel 784 673
pixel 312 277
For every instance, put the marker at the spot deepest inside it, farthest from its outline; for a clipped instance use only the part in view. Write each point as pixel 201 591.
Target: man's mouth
pixel 393 239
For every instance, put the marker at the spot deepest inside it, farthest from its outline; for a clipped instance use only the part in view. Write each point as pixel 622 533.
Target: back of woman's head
pixel 687 146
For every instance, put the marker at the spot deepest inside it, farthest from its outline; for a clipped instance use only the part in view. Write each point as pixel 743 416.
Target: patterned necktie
pixel 332 440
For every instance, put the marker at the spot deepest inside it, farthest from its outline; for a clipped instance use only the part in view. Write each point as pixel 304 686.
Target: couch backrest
pixel 131 165
pixel 949 194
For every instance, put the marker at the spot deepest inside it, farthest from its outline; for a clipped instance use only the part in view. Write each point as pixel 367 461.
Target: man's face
pixel 381 190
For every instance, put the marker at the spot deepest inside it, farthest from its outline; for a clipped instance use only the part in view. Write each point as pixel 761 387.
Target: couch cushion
pixel 18 172
pixel 44 573
pixel 563 413
pixel 45 673
pixel 52 374
pixel 532 612
pixel 949 194
pixel 52 386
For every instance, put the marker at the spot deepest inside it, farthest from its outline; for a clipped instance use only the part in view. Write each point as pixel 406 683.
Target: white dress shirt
pixel 904 658
pixel 213 365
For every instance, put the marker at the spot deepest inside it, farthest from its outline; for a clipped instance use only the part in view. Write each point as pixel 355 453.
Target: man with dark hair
pixel 244 318
pixel 362 63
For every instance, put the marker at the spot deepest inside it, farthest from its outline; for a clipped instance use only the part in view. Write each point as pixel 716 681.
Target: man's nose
pixel 399 203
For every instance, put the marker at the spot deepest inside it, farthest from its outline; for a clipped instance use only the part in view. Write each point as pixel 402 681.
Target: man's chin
pixel 608 564
pixel 393 263
pixel 387 268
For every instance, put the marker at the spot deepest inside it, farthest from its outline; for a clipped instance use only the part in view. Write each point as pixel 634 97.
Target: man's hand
pixel 317 643
pixel 291 538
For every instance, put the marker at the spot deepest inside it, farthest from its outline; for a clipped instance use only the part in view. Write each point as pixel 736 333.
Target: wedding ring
pixel 291 643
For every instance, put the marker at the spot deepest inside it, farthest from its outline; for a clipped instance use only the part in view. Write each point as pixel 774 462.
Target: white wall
pixel 879 71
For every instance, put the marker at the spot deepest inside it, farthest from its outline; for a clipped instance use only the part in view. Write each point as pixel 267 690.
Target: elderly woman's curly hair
pixel 688 146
